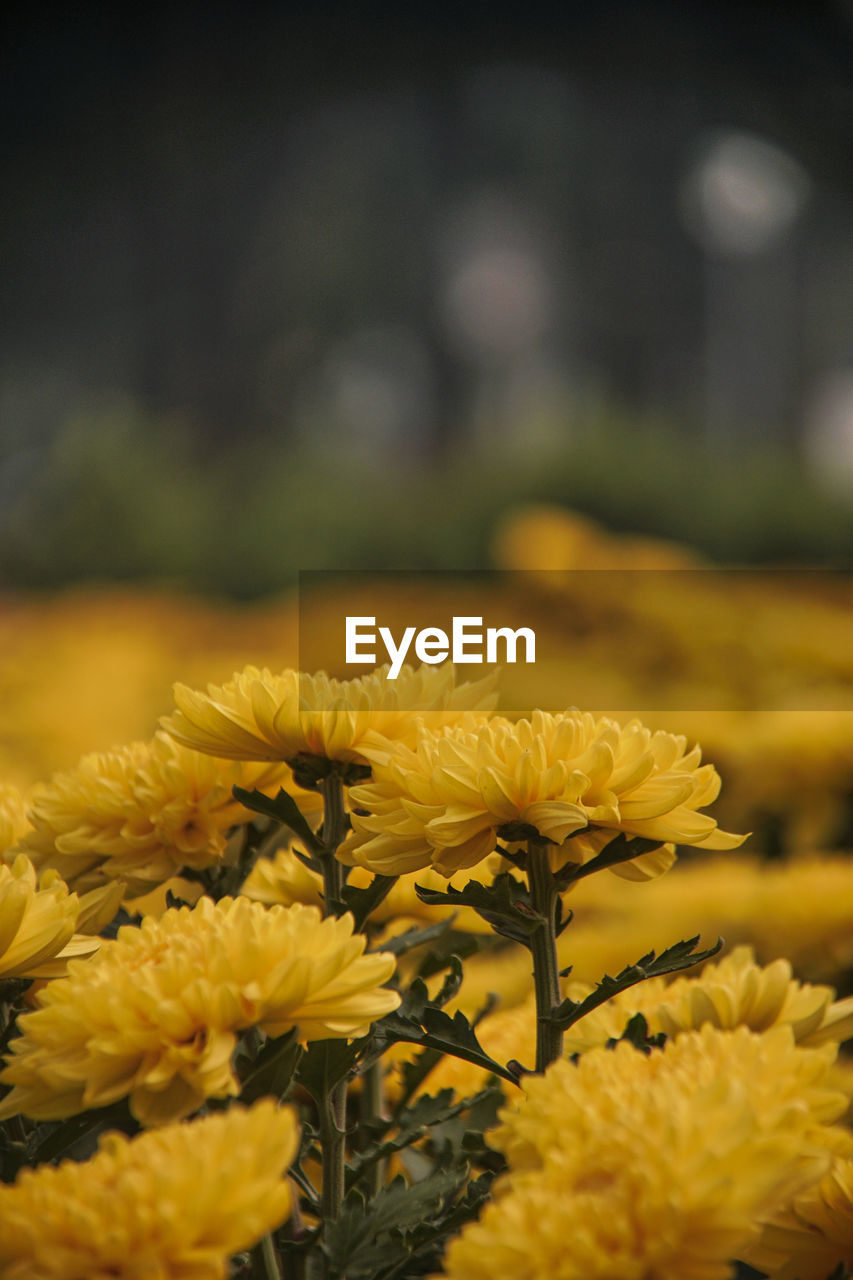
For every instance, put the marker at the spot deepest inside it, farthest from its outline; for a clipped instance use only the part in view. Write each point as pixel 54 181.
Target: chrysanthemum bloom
pixel 176 1204
pixel 141 813
pixel 154 1015
pixel 570 779
pixel 13 815
pixel 808 1240
pixel 658 1165
pixel 42 925
pixel 261 716
pixel 785 1085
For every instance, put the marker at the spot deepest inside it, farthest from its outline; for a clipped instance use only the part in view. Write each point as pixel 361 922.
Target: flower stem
pixel 543 946
pixel 333 1139
pixel 265 1261
pixel 372 1109
pixel 334 831
pixel 333 1113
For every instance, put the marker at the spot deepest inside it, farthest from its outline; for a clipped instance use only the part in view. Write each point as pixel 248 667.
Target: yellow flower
pixel 141 813
pixel 174 1205
pixel 42 925
pixel 808 1240
pixel 13 815
pixel 630 1165
pixel 571 779
pixel 154 1015
pixel 261 716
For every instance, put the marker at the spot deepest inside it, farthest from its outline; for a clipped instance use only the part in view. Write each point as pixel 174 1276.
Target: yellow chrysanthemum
pixel 630 1165
pixel 42 925
pixel 261 716
pixel 171 1205
pixel 13 815
pixel 572 1103
pixel 571 779
pixel 808 1240
pixel 154 1016
pixel 141 813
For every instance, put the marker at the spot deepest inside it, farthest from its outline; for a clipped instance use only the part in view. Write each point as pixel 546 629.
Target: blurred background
pixel 344 286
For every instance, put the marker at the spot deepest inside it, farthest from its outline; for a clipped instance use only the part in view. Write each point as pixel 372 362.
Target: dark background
pixel 340 286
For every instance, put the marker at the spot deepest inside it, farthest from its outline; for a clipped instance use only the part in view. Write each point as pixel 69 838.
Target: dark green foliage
pixel 682 955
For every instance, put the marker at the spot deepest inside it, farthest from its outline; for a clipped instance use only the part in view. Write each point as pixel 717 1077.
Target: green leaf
pixel 367 1237
pixel 415 937
pixel 434 1029
pixel 273 1068
pixel 282 809
pixel 326 1062
pixel 62 1138
pixel 677 957
pixel 504 904
pixel 637 1033
pixel 454 942
pixel 362 901
pixel 414 1123
pixel 619 850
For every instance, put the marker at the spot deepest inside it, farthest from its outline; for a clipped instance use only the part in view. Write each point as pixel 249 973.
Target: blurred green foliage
pixel 120 497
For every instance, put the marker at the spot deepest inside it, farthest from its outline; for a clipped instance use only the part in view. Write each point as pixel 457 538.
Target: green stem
pixel 372 1108
pixel 265 1261
pixel 333 1139
pixel 543 945
pixel 334 831
pixel 334 1109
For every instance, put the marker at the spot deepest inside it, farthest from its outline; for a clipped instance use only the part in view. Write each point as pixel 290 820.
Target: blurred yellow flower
pixel 732 992
pixel 154 1015
pixel 13 815
pixel 569 778
pixel 142 813
pixel 808 1240
pixel 42 924
pixel 261 716
pixel 660 1165
pixel 176 1204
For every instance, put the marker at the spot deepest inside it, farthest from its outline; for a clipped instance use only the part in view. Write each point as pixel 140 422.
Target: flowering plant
pixel 295 1061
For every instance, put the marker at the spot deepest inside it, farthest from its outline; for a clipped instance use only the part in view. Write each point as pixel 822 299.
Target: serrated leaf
pixel 677 957
pixel 504 904
pixel 413 1124
pixel 273 1068
pixel 455 942
pixel 60 1140
pixel 403 942
pixel 362 901
pixel 354 1244
pixel 637 1033
pixel 282 809
pixel 434 1029
pixel 619 850
pixel 326 1062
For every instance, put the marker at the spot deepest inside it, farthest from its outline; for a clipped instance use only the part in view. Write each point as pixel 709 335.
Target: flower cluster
pixel 141 813
pixel 569 779
pixel 658 1164
pixel 154 1017
pixel 261 716
pixel 164 1204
